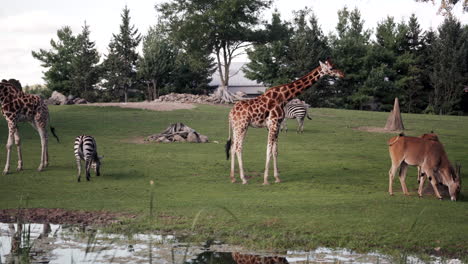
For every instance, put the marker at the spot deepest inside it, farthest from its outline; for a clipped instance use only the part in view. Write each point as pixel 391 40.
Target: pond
pixel 50 243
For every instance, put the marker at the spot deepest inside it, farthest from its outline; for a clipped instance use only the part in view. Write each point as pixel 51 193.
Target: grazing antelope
pixel 427 154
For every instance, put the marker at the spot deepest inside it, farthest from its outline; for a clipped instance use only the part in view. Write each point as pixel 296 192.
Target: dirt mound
pixel 61 216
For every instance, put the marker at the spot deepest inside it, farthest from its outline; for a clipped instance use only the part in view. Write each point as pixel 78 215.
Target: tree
pixel 295 50
pixel 158 61
pixel 350 47
pixel 450 66
pixel 84 67
pixel 268 62
pixel 121 62
pixel 224 28
pixel 58 60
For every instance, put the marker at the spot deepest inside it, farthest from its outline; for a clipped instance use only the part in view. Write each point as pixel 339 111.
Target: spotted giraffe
pixel 267 110
pixel 255 259
pixel 18 106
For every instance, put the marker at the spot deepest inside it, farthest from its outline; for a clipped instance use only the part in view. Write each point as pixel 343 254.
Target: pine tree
pixel 58 60
pixel 158 61
pixel 121 62
pixel 350 47
pixel 449 52
pixel 85 70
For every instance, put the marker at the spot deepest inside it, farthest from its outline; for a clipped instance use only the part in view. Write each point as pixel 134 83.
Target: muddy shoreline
pixel 61 216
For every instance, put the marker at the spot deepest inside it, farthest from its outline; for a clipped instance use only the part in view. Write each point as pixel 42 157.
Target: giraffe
pixel 240 258
pixel 266 110
pixel 18 106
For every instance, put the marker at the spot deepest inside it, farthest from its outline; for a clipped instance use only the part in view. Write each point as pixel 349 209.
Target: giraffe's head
pixel 327 69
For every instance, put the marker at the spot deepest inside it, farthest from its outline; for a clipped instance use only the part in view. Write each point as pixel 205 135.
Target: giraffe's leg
pixel 239 135
pixel 18 148
pixel 233 163
pixel 11 134
pixel 271 148
pixel 275 165
pixel 43 135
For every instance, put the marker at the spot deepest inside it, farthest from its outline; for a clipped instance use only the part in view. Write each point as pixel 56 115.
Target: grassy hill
pixel 334 189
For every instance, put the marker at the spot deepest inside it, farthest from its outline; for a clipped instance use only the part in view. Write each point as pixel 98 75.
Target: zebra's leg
pixel 11 133
pixel 88 168
pixel 300 121
pixel 18 148
pixel 78 164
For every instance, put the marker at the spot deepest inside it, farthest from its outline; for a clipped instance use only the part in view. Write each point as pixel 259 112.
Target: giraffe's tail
pixel 228 143
pixel 52 129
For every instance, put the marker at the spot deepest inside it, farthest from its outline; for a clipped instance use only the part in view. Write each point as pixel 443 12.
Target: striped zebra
pixel 295 111
pixel 86 149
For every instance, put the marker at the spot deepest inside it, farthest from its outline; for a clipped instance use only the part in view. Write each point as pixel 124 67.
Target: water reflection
pixel 49 243
pixel 210 257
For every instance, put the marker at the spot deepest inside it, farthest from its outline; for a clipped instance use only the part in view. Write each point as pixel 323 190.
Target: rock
pixel 193 137
pixel 50 102
pixel 178 138
pixel 203 139
pixel 58 97
pixel 80 101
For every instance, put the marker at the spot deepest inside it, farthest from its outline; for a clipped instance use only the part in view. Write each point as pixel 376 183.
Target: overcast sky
pixel 29 25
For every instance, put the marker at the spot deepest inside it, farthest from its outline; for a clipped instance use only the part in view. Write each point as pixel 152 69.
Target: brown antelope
pixel 427 154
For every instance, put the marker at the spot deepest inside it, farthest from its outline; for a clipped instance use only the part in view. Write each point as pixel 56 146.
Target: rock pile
pixel 178 132
pixel 191 98
pixel 60 99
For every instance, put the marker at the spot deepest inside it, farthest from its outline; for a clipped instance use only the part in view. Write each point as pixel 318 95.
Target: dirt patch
pixel 155 106
pixel 61 216
pixel 376 130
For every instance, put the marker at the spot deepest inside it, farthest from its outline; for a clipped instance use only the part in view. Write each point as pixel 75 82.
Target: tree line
pixel 426 69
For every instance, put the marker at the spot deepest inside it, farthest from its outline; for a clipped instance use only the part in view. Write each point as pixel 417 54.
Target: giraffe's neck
pixel 292 90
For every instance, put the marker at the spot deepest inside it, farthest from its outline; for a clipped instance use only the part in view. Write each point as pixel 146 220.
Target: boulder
pixel 178 138
pixel 203 139
pixel 58 98
pixel 193 137
pixel 80 101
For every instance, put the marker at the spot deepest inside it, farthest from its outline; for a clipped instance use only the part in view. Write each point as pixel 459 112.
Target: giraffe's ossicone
pixel 267 110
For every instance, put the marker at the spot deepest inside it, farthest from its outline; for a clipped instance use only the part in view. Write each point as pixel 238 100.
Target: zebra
pixel 296 111
pixel 86 149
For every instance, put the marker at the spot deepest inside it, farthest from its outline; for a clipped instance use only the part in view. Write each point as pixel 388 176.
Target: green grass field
pixel 334 189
